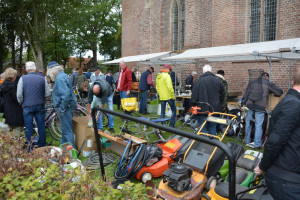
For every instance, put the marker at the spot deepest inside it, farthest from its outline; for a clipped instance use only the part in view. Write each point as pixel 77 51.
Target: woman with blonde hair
pixel 13 112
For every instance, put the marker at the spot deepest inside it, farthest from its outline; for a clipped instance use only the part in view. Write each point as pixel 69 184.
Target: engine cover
pixel 178 177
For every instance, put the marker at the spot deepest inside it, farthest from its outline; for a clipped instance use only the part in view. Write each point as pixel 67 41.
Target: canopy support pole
pixel 269 99
pixel 290 74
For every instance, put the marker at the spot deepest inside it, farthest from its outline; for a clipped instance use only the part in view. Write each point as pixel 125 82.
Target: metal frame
pixel 200 138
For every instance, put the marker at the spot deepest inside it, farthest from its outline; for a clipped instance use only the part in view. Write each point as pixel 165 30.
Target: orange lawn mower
pixel 201 161
pixel 171 151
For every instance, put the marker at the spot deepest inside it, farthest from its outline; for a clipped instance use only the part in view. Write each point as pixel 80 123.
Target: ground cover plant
pixel 35 176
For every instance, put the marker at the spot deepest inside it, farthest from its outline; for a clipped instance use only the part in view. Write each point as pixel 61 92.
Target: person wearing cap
pixel 166 94
pixel 124 82
pixel 32 91
pixel 255 98
pixel 103 92
pixel 88 74
pixel 109 78
pixel 173 75
pixel 210 90
pixel 96 75
pixel 63 99
pixel 144 86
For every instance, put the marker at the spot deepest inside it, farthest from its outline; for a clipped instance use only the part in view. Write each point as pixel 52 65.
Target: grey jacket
pixel 105 91
pixel 257 92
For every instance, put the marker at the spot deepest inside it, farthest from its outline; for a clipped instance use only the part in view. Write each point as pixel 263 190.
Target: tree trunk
pixel 21 52
pixel 94 49
pixel 13 51
pixel 39 62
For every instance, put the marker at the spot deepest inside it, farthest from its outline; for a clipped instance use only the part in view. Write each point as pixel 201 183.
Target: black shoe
pixel 146 113
pixel 112 130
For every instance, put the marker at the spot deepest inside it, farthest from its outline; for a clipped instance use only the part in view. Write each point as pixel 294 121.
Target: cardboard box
pixel 118 143
pixel 82 131
pixel 273 101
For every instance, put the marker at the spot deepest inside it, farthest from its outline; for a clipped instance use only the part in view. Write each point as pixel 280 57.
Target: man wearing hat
pixel 109 78
pixel 255 98
pixel 31 93
pixel 96 75
pixel 63 99
pixel 144 86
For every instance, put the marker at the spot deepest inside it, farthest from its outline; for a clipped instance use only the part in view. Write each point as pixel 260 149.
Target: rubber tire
pixel 54 127
pixel 209 181
pixel 205 196
pixel 105 120
pixel 144 174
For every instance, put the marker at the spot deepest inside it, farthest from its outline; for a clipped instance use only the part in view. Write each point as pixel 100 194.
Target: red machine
pixel 170 149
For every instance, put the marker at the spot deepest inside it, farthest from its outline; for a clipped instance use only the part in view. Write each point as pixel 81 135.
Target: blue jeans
pixel 110 106
pixel 259 119
pixel 281 189
pixel 65 120
pixel 123 94
pixel 209 127
pixel 171 102
pixel 37 112
pixel 143 101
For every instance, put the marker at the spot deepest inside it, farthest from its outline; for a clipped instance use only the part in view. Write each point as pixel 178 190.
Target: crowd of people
pixel 24 102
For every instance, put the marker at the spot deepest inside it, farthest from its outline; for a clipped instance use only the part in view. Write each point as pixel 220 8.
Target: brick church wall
pixel 147 28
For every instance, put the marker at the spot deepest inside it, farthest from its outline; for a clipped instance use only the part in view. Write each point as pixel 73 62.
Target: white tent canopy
pixel 139 58
pixel 282 49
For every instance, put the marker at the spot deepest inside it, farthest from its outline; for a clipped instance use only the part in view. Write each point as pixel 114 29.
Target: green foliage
pixel 35 176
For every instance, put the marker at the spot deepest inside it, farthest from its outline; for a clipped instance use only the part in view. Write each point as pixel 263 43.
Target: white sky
pixel 90 53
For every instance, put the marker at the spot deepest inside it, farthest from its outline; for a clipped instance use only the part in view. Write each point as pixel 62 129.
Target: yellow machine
pixel 187 180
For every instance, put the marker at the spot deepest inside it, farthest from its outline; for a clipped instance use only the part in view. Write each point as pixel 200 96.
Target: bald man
pixel 103 93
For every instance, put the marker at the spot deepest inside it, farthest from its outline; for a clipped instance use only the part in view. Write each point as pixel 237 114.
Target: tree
pixel 110 44
pixel 93 18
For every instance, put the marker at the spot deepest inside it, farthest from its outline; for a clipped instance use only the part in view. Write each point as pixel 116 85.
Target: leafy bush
pixel 35 176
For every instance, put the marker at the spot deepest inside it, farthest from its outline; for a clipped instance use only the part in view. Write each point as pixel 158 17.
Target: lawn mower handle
pixel 200 138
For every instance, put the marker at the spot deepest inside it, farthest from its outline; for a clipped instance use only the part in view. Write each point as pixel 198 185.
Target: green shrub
pixel 35 176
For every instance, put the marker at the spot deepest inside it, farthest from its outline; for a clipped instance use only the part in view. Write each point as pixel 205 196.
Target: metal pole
pixel 201 138
pixel 97 137
pixel 269 98
pixel 290 75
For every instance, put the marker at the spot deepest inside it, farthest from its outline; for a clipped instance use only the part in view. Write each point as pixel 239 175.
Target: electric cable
pixel 131 164
pixel 92 162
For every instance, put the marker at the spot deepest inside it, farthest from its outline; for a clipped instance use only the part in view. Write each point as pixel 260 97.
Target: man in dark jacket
pixel 133 74
pixel 173 75
pixel 144 86
pixel 210 90
pixel 103 93
pixel 190 79
pixel 255 98
pixel 281 159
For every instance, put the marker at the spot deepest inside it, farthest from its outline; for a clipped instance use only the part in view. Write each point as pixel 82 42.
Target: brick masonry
pixel 147 28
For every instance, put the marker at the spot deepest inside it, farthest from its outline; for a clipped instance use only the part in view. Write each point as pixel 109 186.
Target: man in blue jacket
pixel 63 99
pixel 281 159
pixel 144 86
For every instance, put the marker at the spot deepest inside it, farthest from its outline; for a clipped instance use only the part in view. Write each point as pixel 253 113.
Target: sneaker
pixel 251 145
pixel 112 130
